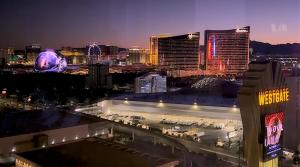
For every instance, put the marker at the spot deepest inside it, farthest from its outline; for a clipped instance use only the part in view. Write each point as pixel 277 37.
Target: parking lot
pixel 207 127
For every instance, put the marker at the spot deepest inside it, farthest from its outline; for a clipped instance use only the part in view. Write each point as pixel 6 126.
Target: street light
pixel 234 109
pixel 126 100
pixel 29 99
pixel 195 105
pixel 13 149
pixel 160 103
pixel 4 91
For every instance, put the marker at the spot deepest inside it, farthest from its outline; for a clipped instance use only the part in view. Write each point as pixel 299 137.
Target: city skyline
pixel 116 83
pixel 129 23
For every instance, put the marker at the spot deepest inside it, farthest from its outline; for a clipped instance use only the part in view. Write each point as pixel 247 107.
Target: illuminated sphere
pixel 49 61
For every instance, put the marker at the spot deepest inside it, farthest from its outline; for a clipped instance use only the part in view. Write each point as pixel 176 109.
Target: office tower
pixel 98 76
pixel 109 53
pixel 175 52
pixel 138 55
pixel 74 56
pixel 227 51
pixel 32 53
pixel 2 58
pixel 5 55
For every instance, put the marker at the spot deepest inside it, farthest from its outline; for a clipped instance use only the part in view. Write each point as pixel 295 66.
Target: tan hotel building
pixel 175 52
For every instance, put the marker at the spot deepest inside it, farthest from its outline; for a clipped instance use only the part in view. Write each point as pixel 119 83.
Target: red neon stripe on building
pixel 209 50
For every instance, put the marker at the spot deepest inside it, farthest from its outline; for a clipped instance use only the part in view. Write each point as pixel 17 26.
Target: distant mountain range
pixel 261 48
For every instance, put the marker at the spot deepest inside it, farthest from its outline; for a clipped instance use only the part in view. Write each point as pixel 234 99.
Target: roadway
pixel 187 147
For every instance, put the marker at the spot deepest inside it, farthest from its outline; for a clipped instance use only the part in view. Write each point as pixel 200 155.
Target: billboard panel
pixel 273 131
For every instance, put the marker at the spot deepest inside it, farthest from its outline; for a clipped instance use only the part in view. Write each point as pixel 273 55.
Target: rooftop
pixel 92 152
pixel 17 123
pixel 181 98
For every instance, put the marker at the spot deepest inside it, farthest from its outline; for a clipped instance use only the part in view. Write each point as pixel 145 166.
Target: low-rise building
pixel 89 153
pixel 25 131
pixel 151 83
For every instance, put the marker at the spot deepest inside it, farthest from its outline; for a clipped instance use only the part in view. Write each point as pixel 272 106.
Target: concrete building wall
pixel 159 110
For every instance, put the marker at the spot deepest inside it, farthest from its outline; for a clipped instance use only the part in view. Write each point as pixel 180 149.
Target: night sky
pixel 128 23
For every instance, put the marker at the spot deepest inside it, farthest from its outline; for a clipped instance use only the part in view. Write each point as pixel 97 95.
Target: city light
pixel 4 91
pixel 195 105
pixel 273 96
pixel 13 149
pixel 160 103
pixel 126 101
pixel 214 45
pixel 149 99
pixel 234 109
pixel 28 99
pixel 209 57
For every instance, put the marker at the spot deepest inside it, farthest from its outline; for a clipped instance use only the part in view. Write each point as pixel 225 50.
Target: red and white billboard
pixel 273 125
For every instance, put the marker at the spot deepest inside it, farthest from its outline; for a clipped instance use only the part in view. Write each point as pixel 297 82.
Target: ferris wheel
pixel 94 54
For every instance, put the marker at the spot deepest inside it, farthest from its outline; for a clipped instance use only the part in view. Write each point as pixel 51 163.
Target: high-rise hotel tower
pixel 175 52
pixel 227 51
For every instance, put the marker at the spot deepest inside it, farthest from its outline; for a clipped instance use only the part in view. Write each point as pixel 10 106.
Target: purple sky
pixel 128 23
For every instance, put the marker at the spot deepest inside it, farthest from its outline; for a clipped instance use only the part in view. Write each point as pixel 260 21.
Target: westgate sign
pixel 262 99
pixel 273 96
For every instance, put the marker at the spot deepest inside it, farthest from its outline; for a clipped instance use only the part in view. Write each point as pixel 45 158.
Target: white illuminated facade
pixel 151 83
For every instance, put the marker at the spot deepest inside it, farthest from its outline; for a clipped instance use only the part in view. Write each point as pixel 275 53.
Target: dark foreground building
pixel 30 130
pixel 99 77
pixel 292 119
pixel 89 153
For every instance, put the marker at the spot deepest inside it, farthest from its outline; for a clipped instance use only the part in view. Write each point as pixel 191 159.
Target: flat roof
pixel 181 98
pixel 178 112
pixel 17 123
pixel 93 152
